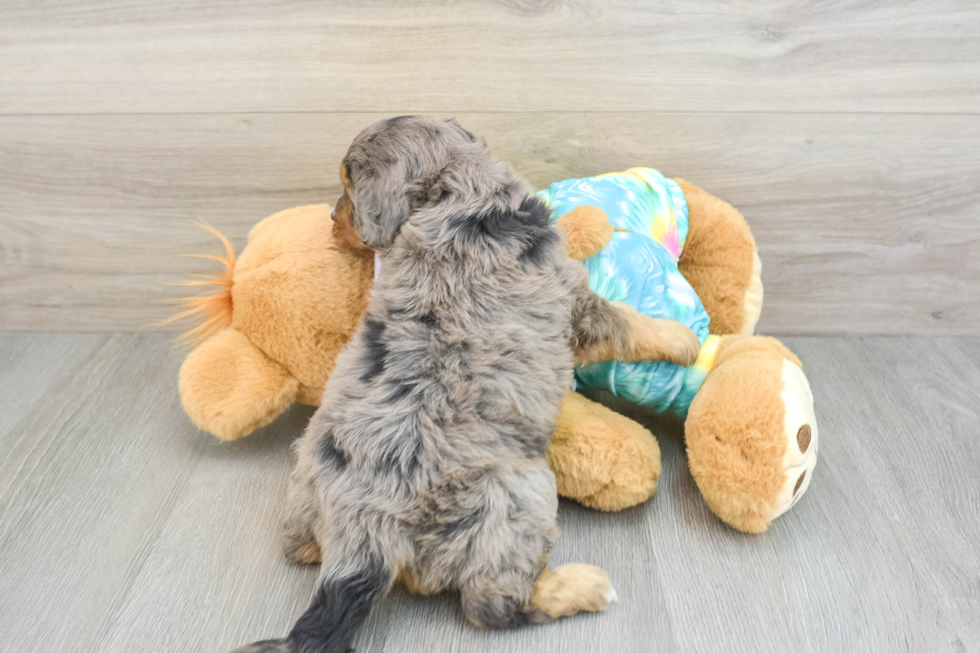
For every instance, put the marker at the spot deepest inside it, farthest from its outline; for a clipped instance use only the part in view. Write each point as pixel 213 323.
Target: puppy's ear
pixel 381 208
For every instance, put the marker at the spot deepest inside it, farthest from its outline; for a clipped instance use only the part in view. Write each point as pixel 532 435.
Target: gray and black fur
pixel 426 455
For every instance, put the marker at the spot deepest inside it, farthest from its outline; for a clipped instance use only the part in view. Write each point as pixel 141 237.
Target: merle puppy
pixel 425 459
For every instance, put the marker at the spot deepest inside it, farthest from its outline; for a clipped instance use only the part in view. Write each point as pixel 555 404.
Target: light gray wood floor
pixel 123 528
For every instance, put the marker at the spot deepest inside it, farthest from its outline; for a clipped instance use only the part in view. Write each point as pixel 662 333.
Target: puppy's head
pixel 393 168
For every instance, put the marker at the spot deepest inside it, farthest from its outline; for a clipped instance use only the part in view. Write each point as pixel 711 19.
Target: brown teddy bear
pixel 294 297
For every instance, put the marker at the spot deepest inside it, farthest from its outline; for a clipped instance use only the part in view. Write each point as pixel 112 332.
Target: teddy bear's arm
pixel 230 388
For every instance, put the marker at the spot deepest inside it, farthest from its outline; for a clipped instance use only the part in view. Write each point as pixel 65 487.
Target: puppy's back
pixel 476 307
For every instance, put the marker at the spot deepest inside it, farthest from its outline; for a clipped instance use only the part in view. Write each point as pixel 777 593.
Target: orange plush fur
pixel 294 296
pixel 216 309
pixel 248 374
pixel 733 458
pixel 601 458
pixel 587 230
pixel 721 263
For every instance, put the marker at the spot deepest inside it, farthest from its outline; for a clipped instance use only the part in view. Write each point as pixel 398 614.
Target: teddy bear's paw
pixel 800 431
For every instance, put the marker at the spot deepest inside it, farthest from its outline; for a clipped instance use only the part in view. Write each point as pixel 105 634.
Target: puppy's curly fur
pixel 425 459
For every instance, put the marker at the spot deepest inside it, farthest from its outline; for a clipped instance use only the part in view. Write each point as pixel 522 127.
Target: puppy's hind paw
pixel 570 589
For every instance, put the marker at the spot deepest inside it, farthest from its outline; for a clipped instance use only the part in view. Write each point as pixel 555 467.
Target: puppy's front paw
pixel 657 339
pixel 681 346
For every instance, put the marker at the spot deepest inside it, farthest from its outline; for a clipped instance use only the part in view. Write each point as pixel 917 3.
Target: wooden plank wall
pixel 848 133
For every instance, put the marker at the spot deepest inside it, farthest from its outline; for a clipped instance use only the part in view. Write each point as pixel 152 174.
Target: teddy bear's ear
pixel 587 230
pixel 230 388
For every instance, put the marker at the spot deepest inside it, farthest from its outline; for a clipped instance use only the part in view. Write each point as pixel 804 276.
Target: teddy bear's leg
pixel 230 388
pixel 751 433
pixel 601 458
pixel 721 263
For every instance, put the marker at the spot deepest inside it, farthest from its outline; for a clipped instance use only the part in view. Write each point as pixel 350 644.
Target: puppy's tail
pixel 342 603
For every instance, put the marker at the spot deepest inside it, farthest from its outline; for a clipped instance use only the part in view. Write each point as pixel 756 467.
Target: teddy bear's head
pixel 289 304
pixel 752 433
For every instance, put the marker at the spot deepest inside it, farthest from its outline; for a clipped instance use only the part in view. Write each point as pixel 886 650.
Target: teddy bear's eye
pixel 803 437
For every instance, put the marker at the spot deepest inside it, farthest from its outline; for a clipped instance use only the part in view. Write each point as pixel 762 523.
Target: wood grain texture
pixel 107 56
pixel 122 528
pixel 865 223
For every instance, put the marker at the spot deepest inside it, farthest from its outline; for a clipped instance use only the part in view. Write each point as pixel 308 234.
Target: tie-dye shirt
pixel 639 267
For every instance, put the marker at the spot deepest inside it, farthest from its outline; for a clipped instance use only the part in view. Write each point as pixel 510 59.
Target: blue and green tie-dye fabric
pixel 639 267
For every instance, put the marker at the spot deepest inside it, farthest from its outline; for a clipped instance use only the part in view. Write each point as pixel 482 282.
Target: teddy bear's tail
pixel 216 308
